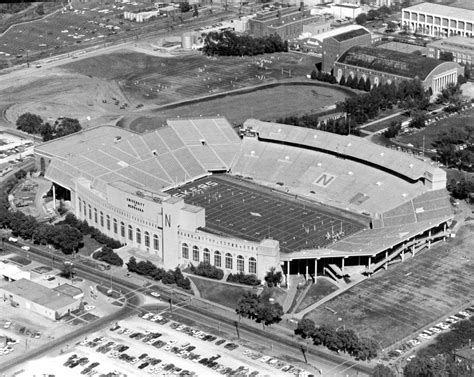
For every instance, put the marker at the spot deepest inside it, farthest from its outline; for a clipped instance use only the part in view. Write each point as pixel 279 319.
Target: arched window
pixel 90 212
pixel 101 219
pixel 195 254
pixel 108 222
pixel 95 216
pixel 139 235
pixel 85 210
pixel 217 258
pixel 240 263
pixel 252 265
pixel 156 242
pixel 228 261
pixel 115 226
pixel 147 239
pixel 185 251
pixel 206 256
pixel 80 205
pixel 122 229
pixel 130 233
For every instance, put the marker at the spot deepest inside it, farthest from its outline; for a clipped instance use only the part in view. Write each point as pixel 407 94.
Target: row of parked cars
pixel 274 362
pixel 430 333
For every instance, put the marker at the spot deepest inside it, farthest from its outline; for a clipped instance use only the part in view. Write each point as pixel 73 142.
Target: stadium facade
pixel 383 66
pixel 195 191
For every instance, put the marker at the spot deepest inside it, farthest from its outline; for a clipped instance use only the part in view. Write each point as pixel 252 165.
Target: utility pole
pixel 236 324
pixel 303 350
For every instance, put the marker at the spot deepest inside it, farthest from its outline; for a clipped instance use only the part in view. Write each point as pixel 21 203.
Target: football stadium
pixel 300 200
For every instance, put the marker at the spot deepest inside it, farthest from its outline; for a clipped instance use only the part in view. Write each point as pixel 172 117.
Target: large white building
pixel 164 193
pixel 438 20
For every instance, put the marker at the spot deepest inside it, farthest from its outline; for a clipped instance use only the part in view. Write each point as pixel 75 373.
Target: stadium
pixel 300 200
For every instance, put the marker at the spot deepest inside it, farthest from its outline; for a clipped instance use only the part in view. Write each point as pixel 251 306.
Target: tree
pixel 29 123
pixel 247 305
pixel 273 277
pixel 66 127
pixel 184 7
pixel 342 81
pixel 132 264
pixel 67 270
pixel 269 313
pixel 418 119
pixel 361 19
pixel 106 254
pixel 393 129
pixel 305 328
pixel 420 367
pixel 391 26
pixel 446 56
pixel 381 370
pixel 195 10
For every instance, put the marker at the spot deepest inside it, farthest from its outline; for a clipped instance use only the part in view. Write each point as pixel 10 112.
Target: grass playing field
pixel 253 213
pixel 395 303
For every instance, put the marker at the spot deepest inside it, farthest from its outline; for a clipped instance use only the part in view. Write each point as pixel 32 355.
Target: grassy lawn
pixel 221 293
pixel 90 245
pixel 433 131
pixel 321 289
pixel 276 293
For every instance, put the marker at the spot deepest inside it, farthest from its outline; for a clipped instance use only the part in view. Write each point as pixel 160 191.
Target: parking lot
pixel 156 345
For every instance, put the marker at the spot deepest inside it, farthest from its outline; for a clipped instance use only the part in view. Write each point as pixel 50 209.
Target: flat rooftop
pixel 39 294
pixel 443 11
pixel 241 209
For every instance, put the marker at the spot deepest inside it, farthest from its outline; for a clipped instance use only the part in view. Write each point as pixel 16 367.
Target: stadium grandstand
pixel 298 199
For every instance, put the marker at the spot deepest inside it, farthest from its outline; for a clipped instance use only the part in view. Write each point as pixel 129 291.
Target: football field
pixel 245 210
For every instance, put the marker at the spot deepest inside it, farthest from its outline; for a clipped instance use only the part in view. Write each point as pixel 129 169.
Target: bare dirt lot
pixel 397 302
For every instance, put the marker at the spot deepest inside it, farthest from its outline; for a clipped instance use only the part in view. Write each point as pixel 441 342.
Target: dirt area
pixel 408 296
pixel 169 335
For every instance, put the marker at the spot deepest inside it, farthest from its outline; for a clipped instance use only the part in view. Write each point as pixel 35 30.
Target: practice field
pixel 396 303
pixel 161 80
pixel 254 213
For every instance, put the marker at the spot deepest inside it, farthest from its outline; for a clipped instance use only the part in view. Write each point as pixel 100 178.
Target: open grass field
pixel 221 293
pixel 395 303
pixel 433 131
pixel 251 212
pixel 266 104
pixel 316 292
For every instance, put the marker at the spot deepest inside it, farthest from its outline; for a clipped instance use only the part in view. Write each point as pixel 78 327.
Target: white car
pixel 12 239
pixel 26 248
pixel 7 324
pixel 89 307
pixel 155 294
pixel 264 359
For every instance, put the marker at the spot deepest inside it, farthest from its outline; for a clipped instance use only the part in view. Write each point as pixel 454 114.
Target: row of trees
pixel 246 279
pixel 373 14
pixel 227 43
pixel 148 269
pixel 338 340
pixel 252 306
pixel 207 270
pixel 107 255
pixel 86 229
pixel 340 126
pixel 63 237
pixel 33 124
pixel 365 106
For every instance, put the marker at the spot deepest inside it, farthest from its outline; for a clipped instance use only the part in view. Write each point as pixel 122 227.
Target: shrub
pixel 207 270
pixel 242 278
pixel 107 255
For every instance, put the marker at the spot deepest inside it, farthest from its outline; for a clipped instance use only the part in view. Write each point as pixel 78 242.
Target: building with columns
pixel 383 66
pixel 299 200
pixel 438 20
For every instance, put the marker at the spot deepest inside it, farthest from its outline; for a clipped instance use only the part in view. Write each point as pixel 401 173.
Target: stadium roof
pixel 340 30
pixel 351 34
pixel 353 146
pixel 182 151
pixel 443 11
pixel 38 294
pixel 390 61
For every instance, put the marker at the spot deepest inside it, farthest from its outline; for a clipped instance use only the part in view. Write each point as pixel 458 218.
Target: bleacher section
pixel 183 151
pixel 323 177
pixel 353 147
